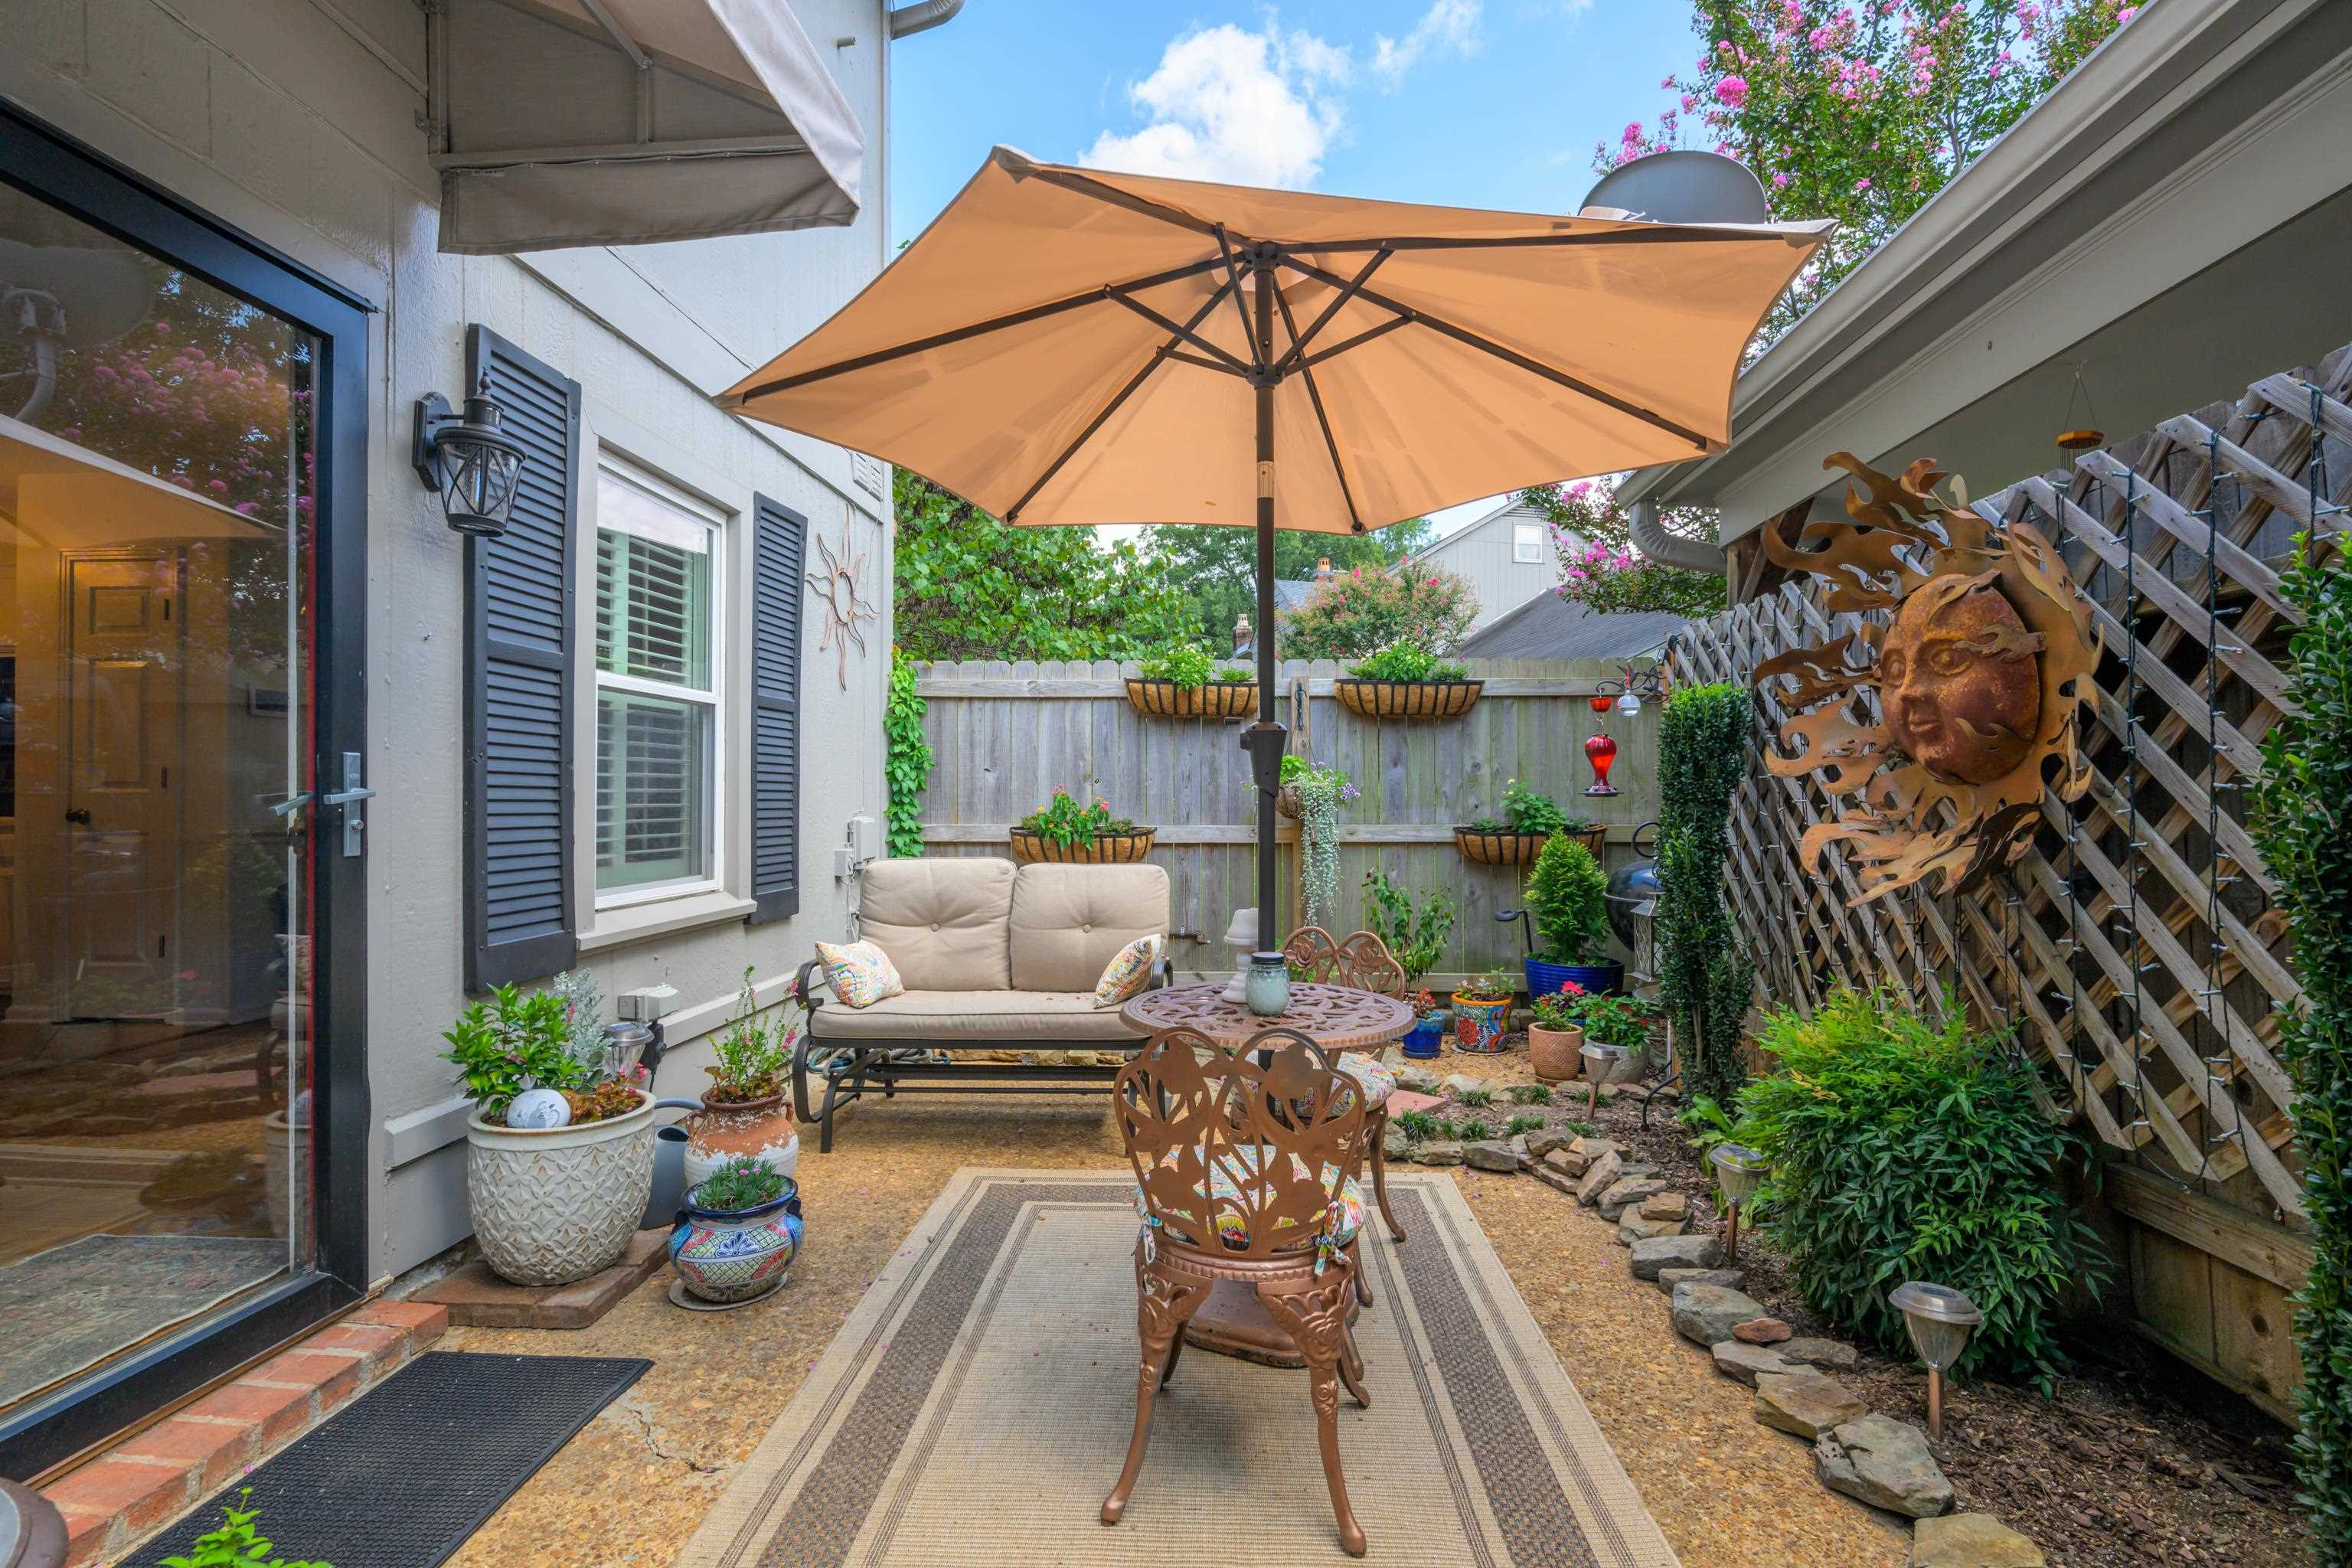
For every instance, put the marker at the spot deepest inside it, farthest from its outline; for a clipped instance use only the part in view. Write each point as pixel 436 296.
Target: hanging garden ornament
pixel 1599 751
pixel 2088 435
pixel 1980 679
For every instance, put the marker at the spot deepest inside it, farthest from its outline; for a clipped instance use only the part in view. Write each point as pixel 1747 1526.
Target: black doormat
pixel 403 1473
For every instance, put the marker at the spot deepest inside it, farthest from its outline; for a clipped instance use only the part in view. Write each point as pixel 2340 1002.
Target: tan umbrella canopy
pixel 1066 345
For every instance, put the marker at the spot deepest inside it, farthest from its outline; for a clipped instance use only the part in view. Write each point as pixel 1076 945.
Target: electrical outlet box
pixel 647 1004
pixel 866 839
pixel 845 861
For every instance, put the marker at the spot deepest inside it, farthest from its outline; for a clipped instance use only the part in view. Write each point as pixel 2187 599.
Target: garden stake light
pixel 1738 1170
pixel 1940 1320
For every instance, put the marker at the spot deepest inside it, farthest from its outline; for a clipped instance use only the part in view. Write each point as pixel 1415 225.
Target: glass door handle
pixel 80 814
pixel 344 796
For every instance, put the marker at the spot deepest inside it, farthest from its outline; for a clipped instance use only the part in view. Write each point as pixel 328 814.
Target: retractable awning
pixel 568 123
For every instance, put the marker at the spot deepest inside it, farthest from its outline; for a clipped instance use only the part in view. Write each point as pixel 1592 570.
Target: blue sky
pixel 1490 104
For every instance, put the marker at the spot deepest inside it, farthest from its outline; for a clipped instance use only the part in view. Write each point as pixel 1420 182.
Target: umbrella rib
pixel 1659 234
pixel 1315 398
pixel 1186 333
pixel 1367 335
pixel 1159 356
pixel 1234 277
pixel 1299 340
pixel 957 334
pixel 1512 356
pixel 1181 357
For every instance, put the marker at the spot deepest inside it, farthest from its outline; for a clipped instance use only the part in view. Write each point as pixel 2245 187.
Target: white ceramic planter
pixel 557 1205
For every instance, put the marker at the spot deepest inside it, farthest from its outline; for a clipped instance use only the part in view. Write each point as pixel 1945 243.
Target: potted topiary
pixel 1402 681
pixel 743 1111
pixel 1185 683
pixel 1567 897
pixel 1482 1012
pixel 1556 1034
pixel 738 1234
pixel 560 1159
pixel 1527 822
pixel 1064 831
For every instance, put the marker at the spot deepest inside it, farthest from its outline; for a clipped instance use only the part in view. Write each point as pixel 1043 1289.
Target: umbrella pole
pixel 1266 741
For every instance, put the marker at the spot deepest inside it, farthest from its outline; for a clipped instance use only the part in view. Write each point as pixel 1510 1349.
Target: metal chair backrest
pixel 1362 961
pixel 1225 1148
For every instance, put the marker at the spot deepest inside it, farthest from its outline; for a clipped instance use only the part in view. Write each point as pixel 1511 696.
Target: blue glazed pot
pixel 1544 976
pixel 1425 1040
pixel 736 1255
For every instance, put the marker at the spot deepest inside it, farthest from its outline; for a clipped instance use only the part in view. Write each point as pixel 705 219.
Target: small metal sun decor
pixel 1978 682
pixel 845 608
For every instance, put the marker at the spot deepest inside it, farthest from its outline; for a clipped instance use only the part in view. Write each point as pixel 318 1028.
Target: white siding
pixel 1484 552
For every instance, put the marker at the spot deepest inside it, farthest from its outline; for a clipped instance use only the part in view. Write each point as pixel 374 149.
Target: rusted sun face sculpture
pixel 1943 727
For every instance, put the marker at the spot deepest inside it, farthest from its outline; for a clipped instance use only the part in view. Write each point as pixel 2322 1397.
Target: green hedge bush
pixel 1704 976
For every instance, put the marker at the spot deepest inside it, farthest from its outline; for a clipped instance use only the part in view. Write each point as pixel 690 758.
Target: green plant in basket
pixel 1064 822
pixel 1234 675
pixel 1528 811
pixel 742 1183
pixel 1403 662
pixel 1413 931
pixel 1187 664
pixel 238 1543
pixel 1567 897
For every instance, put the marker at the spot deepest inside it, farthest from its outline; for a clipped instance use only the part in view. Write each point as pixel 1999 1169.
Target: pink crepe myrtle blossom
pixel 1731 91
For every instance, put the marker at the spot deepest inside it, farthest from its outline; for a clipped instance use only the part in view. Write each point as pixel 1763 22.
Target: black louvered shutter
pixel 518 707
pixel 779 545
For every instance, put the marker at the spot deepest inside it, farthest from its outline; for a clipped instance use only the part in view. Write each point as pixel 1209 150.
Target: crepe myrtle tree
pixel 1861 110
pixel 1216 568
pixel 1366 609
pixel 1599 567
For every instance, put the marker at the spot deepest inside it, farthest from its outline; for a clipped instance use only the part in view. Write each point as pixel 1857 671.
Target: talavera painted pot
pixel 727 1130
pixel 1479 1027
pixel 556 1205
pixel 732 1256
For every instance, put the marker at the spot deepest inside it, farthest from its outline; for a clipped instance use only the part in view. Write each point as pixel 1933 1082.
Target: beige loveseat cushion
pixel 973 1016
pixel 943 919
pixel 1068 921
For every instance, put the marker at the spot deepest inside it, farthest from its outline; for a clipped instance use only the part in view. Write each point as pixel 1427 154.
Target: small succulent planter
pixel 1407 698
pixel 1175 700
pixel 1103 849
pixel 732 1258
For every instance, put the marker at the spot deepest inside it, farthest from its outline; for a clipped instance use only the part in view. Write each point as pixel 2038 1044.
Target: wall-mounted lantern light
pixel 469 461
pixel 1940 1320
pixel 1739 1171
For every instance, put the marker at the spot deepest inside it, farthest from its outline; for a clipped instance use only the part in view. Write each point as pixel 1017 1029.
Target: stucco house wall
pixel 304 125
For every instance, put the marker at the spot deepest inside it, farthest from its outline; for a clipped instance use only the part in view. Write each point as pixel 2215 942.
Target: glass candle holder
pixel 1270 985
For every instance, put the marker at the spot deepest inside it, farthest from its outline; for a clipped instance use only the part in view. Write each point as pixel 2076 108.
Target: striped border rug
pixel 974 1409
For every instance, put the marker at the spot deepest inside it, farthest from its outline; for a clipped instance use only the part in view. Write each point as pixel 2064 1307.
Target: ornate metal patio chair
pixel 1241 1175
pixel 1364 961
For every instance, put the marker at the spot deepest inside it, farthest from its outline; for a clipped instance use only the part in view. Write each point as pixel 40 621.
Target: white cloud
pixel 1448 26
pixel 1241 106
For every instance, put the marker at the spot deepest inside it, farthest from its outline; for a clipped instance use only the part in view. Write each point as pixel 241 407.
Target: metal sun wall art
pixel 846 608
pixel 1944 726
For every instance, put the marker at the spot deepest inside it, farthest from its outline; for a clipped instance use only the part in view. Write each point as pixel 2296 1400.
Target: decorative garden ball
pixel 537 1109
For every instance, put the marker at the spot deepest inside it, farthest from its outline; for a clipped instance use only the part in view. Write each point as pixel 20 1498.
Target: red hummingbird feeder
pixel 1601 752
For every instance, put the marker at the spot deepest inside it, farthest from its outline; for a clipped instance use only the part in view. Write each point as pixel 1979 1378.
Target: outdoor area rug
pixel 400 1477
pixel 975 1408
pixel 73 1306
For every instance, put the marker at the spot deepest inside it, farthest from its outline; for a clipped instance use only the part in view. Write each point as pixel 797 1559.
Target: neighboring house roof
pixel 2155 216
pixel 1289 592
pixel 1548 627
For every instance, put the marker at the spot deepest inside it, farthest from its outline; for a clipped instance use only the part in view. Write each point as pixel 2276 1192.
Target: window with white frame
pixel 658 681
pixel 1527 542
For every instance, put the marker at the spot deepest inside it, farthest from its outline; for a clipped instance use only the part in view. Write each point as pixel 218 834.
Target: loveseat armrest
pixel 801 993
pixel 1163 973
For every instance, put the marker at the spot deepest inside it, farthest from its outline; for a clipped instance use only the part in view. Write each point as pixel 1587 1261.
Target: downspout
pixel 905 21
pixel 1671 549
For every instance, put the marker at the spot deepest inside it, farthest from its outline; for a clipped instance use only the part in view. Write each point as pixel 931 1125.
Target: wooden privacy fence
pixel 1007 735
pixel 2135 944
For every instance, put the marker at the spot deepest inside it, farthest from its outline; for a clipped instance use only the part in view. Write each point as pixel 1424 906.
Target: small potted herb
pixel 1528 821
pixel 1567 897
pixel 738 1234
pixel 1402 681
pixel 558 1159
pixel 1185 682
pixel 1063 831
pixel 1482 1012
pixel 1556 1037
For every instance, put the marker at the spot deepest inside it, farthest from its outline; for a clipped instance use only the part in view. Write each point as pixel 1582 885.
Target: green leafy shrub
pixel 1187 664
pixel 742 1183
pixel 1414 931
pixel 1405 661
pixel 238 1543
pixel 512 1043
pixel 1064 821
pixel 906 760
pixel 2307 767
pixel 1567 897
pixel 1902 1149
pixel 1706 977
pixel 1365 609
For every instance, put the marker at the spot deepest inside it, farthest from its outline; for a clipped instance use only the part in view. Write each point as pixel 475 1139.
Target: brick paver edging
pixel 129 1492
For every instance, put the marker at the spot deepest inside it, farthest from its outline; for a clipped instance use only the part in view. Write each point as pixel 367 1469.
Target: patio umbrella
pixel 1071 346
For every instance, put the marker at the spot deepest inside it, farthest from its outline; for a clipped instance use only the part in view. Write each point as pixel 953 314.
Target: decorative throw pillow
pixel 861 972
pixel 1129 973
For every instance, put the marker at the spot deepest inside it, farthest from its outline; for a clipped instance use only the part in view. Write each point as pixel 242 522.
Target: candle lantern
pixel 1940 1320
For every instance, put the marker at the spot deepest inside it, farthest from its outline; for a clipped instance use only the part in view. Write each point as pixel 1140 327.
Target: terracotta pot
pixel 1104 849
pixel 1407 698
pixel 1553 1053
pixel 723 1130
pixel 556 1205
pixel 1216 699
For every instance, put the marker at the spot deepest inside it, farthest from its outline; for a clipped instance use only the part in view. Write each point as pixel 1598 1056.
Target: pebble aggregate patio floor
pixel 631 1488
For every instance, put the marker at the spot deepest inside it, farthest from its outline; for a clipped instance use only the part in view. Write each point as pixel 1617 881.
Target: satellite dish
pixel 99 294
pixel 1680 186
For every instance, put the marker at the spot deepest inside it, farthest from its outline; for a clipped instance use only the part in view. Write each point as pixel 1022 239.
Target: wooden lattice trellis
pixel 2135 943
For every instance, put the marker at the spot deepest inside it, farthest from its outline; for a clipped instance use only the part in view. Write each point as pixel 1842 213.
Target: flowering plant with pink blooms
pixel 1861 110
pixel 1356 613
pixel 1599 567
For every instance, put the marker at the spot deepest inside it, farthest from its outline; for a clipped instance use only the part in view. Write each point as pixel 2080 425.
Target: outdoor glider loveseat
pixel 999 966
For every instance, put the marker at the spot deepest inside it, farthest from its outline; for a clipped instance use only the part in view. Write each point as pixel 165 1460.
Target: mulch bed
pixel 2133 1460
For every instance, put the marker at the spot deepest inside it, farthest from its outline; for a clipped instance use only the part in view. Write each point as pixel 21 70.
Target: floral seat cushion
pixel 1379 1080
pixel 1346 1212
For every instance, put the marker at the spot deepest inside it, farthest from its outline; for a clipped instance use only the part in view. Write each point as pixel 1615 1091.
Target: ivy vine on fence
pixel 906 760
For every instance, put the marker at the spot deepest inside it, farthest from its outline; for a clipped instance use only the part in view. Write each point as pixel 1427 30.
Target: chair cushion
pixel 859 972
pixel 1129 972
pixel 1068 921
pixel 1023 1015
pixel 943 920
pixel 1379 1079
pixel 1230 1230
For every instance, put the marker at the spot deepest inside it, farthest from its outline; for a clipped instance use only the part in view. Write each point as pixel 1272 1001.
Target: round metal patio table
pixel 1232 1322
